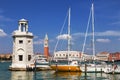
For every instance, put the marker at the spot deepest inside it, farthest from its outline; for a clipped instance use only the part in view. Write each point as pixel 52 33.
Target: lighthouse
pixel 46 47
pixel 22 47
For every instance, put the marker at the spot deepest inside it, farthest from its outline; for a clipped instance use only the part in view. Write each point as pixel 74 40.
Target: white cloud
pixel 103 40
pixel 89 49
pixel 2 33
pixel 38 42
pixel 105 33
pixel 116 23
pixel 51 40
pixel 35 37
pixel 119 39
pixel 108 33
pixel 3 18
pixel 63 36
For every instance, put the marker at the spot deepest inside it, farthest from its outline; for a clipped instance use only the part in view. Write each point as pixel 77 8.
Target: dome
pixel 23 20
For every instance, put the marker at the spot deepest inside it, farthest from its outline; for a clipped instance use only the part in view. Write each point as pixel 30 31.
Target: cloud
pixel 38 42
pixel 103 40
pixel 119 39
pixel 3 18
pixel 2 33
pixel 35 37
pixel 63 36
pixel 108 33
pixel 105 33
pixel 115 23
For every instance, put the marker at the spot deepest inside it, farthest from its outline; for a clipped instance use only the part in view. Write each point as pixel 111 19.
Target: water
pixel 5 74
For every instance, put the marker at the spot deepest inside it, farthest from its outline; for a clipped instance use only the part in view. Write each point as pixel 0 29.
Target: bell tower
pixel 46 47
pixel 22 47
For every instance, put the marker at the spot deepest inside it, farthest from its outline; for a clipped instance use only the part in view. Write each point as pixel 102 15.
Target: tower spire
pixel 46 36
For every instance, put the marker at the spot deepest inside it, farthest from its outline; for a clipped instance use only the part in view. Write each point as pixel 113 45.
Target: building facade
pixel 63 55
pixel 114 56
pixel 103 56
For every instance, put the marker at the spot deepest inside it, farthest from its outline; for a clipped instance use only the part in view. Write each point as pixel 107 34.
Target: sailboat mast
pixel 93 38
pixel 69 34
pixel 69 30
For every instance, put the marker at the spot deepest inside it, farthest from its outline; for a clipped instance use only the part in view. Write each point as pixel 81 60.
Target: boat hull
pixel 66 68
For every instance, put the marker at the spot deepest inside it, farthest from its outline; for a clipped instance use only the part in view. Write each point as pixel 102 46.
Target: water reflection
pixel 52 75
pixel 21 75
pixel 67 75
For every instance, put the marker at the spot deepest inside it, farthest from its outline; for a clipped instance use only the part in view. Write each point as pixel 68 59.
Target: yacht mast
pixel 69 30
pixel 93 38
pixel 69 37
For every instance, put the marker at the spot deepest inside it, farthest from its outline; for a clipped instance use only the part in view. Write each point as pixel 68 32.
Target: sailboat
pixel 93 67
pixel 72 65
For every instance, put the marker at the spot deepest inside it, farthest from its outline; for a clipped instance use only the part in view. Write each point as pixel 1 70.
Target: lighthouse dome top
pixel 23 20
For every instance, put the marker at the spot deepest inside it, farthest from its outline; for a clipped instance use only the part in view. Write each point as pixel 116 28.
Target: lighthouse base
pixel 22 67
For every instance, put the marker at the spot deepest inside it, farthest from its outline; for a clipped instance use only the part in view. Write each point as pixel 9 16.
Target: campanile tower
pixel 46 47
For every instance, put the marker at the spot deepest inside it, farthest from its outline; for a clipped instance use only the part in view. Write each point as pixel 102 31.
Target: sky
pixel 49 16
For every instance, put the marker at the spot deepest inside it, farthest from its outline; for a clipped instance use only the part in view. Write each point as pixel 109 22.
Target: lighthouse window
pixel 20 41
pixel 20 57
pixel 29 57
pixel 29 41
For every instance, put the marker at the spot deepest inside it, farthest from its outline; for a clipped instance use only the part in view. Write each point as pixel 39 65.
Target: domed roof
pixel 22 20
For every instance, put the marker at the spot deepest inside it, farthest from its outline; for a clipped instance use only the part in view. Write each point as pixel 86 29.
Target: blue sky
pixel 47 16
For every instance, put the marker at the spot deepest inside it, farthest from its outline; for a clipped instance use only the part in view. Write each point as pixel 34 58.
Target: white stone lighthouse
pixel 22 47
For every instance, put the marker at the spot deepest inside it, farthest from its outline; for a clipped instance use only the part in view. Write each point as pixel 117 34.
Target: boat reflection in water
pixel 52 75
pixel 21 75
pixel 84 76
pixel 67 75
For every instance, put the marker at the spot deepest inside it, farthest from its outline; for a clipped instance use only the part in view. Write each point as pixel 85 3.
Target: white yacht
pixel 42 63
pixel 111 69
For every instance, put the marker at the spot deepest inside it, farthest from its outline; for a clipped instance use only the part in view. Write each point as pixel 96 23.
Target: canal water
pixel 5 74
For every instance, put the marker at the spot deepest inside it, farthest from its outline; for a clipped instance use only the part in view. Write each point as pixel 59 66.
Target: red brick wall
pixel 46 51
pixel 114 56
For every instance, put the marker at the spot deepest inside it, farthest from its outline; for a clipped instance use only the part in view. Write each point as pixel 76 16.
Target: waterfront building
pixel 22 47
pixel 46 47
pixel 6 56
pixel 114 56
pixel 103 56
pixel 63 55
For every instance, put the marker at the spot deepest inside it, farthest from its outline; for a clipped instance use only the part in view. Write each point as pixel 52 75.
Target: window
pixel 69 54
pixel 20 57
pixel 29 41
pixel 73 55
pixel 29 57
pixel 56 54
pixel 60 54
pixel 20 41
